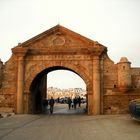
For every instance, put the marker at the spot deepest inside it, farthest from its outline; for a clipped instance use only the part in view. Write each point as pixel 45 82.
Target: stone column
pixel 96 85
pixel 20 85
pixel 89 103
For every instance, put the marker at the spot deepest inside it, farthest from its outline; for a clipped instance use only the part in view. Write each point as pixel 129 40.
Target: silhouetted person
pixel 79 101
pixel 72 104
pixel 51 103
pixel 75 102
pixel 69 102
pixel 58 100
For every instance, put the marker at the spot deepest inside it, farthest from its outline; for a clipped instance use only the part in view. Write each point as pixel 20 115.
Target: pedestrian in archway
pixel 69 102
pixel 51 103
pixel 72 104
pixel 75 102
pixel 58 100
pixel 79 101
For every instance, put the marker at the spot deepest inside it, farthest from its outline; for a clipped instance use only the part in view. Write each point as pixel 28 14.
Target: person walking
pixel 72 104
pixel 51 103
pixel 69 102
pixel 75 102
pixel 79 101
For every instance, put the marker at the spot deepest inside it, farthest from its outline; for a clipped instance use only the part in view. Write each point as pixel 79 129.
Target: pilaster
pixel 96 85
pixel 89 102
pixel 20 85
pixel 20 52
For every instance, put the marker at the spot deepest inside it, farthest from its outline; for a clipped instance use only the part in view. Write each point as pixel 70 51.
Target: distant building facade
pixel 23 81
pixel 62 93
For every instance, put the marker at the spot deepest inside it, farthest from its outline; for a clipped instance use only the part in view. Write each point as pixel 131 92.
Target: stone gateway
pixel 23 78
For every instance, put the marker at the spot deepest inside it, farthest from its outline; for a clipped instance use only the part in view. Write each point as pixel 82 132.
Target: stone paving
pixel 68 126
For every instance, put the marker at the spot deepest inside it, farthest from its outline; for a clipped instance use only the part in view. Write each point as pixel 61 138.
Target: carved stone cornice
pixel 20 51
pixel 63 50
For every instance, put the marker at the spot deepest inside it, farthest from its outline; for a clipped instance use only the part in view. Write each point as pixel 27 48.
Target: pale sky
pixel 64 79
pixel 113 23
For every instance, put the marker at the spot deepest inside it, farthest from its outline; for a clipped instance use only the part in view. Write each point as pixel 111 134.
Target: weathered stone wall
pixel 118 103
pixel 8 88
pixel 135 75
pixel 116 100
pixel 110 74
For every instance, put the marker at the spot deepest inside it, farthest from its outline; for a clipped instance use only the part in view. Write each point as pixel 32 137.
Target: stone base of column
pixel 90 105
pixel 96 108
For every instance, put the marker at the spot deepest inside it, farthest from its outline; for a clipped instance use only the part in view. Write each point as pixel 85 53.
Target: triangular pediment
pixel 58 36
pixel 59 40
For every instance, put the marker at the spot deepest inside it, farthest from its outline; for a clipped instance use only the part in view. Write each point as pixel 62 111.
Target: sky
pixel 113 23
pixel 65 79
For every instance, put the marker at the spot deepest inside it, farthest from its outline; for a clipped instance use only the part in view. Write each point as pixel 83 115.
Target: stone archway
pixel 62 47
pixel 59 47
pixel 41 71
pixel 38 88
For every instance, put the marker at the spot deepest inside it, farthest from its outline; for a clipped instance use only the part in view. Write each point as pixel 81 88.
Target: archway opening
pixel 60 83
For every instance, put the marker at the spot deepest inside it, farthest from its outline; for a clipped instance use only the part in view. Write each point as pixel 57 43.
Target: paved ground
pixel 63 125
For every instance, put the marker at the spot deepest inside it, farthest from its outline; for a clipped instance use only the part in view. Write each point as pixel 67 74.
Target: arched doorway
pixel 55 48
pixel 38 89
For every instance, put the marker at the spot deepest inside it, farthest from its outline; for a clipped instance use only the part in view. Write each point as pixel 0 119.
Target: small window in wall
pixel 123 67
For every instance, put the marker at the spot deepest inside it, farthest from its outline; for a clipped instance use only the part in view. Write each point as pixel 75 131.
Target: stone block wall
pixel 109 74
pixel 118 104
pixel 135 72
pixel 115 100
pixel 8 90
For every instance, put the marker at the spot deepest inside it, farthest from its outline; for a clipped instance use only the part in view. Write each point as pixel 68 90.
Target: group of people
pixel 73 102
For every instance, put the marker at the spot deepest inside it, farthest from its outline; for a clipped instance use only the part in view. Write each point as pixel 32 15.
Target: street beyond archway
pixel 69 127
pixel 62 109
